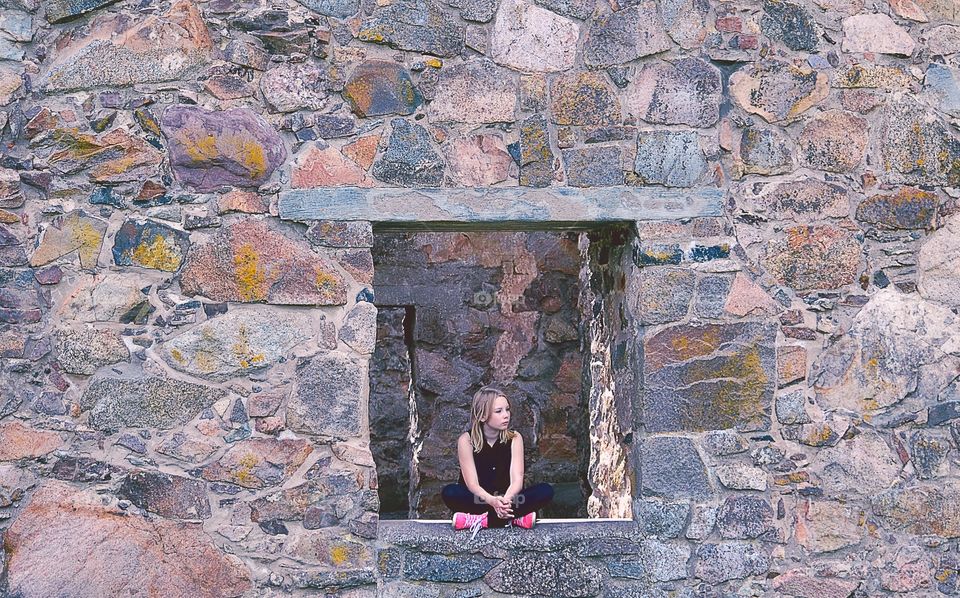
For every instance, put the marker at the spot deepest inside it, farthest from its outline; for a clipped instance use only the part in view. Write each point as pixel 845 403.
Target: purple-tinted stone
pixel 48 275
pixel 378 87
pixel 211 149
pixel 150 245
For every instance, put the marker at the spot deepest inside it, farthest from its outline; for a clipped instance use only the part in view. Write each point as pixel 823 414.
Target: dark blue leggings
pixel 459 499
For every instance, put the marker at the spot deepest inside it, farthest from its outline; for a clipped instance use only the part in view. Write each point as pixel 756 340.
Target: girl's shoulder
pixel 464 437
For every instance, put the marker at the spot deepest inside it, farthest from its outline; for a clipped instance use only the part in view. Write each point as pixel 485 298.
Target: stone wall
pixel 185 349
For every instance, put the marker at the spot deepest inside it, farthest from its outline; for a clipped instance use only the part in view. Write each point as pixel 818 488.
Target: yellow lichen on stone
pixel 248 152
pixel 177 355
pixel 251 280
pixel 157 254
pixel 339 554
pixel 87 239
pixel 200 146
pixel 244 475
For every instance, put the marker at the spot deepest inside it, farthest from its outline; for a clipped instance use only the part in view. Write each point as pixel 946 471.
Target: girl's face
pixel 499 414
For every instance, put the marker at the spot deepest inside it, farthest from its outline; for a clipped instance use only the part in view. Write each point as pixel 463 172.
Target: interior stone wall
pixel 184 376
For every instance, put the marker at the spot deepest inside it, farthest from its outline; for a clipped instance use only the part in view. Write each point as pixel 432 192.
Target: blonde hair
pixel 480 410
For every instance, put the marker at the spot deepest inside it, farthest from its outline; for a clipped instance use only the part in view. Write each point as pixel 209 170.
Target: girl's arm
pixel 516 467
pixel 467 467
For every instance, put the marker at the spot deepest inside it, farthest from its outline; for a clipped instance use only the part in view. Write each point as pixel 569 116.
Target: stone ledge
pixel 520 206
pixel 437 536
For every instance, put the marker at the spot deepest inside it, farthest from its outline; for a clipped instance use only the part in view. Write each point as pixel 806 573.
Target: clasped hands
pixel 503 506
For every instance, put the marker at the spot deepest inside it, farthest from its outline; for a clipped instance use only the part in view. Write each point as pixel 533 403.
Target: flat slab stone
pixel 503 206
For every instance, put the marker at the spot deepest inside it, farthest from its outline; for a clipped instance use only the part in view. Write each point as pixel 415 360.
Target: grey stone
pixel 717 563
pixel 578 9
pixel 144 401
pixel 792 408
pixel 921 510
pixel 941 88
pixel 711 296
pixel 338 9
pixel 85 350
pixel 409 159
pixel 58 11
pixel 657 562
pixel 477 11
pixel 476 91
pixel 742 477
pixel 670 158
pixel 670 467
pixel 593 167
pixel 166 495
pixel 132 442
pixel 702 522
pixel 687 91
pixel 928 453
pixel 916 148
pixel 237 343
pixel 942 413
pixel 292 86
pixel 943 40
pixel 663 294
pixel 328 396
pixel 746 517
pixel 861 466
pixel 438 567
pixel 418 25
pixel 552 574
pixel 625 35
pixel 536 156
pixel 686 21
pixel 721 443
pixel 939 271
pixel 765 151
pixel 710 377
pixel 10 50
pixel 531 39
pixel 660 519
pixel 791 24
pixel 359 330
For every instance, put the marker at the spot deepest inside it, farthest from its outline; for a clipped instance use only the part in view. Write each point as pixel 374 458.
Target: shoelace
pixel 475 528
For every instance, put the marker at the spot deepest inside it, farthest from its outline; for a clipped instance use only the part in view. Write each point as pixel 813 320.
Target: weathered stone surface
pixel 237 343
pixel 928 454
pixel 717 563
pixel 10 84
pixel 536 157
pixel 939 273
pixel 379 87
pixel 791 366
pixel 528 38
pixel 246 202
pixel 916 148
pixel 660 519
pixel 409 160
pixel 746 517
pixel 551 574
pixel 685 92
pixel 814 257
pixel 670 158
pixel 861 466
pixel 834 141
pixel 791 24
pixel 18 441
pixel 58 11
pixel 292 86
pixel 72 232
pixel 418 25
pixel 338 9
pixel 778 91
pixel 686 21
pixel 943 40
pixel 159 48
pixel 106 297
pixel 254 261
pixel 710 377
pixel 825 526
pixel 137 401
pixel 908 208
pixel 326 167
pixel 664 294
pixel 922 510
pixel 742 477
pixel 149 244
pixel 805 200
pixel 625 35
pixel 765 151
pixel 11 196
pixel 896 345
pixel 477 160
pixel 941 88
pixel 258 462
pixel 85 350
pixel 191 449
pixel 166 495
pixel 210 149
pixel 871 76
pixel 671 468
pixel 593 166
pixel 876 32
pixel 438 567
pixel 359 329
pixel 723 442
pixel 583 99
pixel 797 583
pixel 475 92
pixel 328 396
pixel 656 562
pixel 183 559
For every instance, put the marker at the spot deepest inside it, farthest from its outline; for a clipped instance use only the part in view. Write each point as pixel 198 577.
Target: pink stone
pixel 363 150
pixel 746 297
pixel 112 551
pixel 247 202
pixel 797 583
pixel 18 441
pixel 908 9
pixel 876 32
pixel 478 160
pixel 791 364
pixel 327 168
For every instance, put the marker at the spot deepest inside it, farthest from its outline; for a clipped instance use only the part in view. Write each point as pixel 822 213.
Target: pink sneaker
pixel 470 521
pixel 526 522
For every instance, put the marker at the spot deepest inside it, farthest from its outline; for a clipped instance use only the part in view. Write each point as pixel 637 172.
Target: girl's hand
pixel 502 506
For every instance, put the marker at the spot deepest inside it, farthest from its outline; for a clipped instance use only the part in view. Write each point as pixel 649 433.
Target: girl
pixel 488 493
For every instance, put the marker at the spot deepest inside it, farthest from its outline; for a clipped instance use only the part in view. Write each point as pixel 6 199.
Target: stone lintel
pixel 521 207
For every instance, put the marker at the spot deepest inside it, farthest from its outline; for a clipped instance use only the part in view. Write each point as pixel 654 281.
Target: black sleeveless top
pixel 493 466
